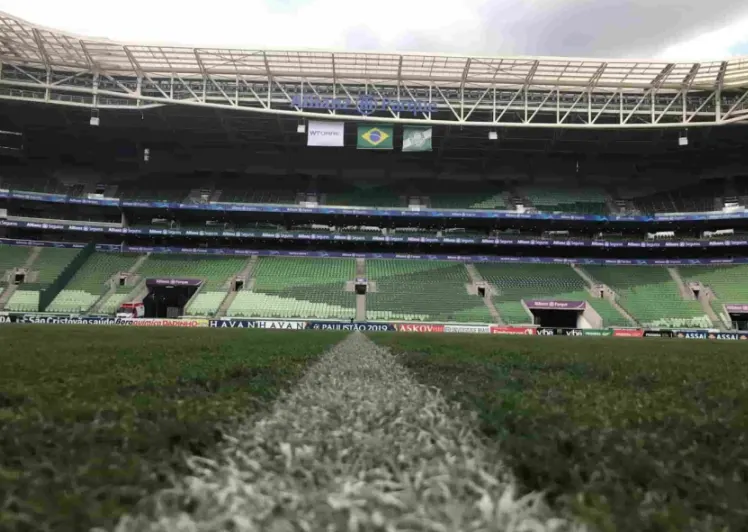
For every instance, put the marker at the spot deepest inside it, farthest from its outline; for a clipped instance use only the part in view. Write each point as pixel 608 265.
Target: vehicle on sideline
pixel 131 310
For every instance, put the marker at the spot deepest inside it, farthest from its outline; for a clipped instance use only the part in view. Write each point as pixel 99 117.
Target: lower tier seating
pixel 729 283
pixel 205 304
pixel 422 291
pixel 298 287
pixel 514 282
pixel 650 295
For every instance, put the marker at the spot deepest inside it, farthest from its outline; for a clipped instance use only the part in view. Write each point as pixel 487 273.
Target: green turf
pixel 94 418
pixel 631 434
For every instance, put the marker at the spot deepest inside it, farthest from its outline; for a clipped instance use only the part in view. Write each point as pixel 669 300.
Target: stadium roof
pixel 24 44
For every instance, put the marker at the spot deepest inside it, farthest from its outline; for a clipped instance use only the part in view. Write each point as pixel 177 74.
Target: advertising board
pixel 527 331
pixel 628 333
pixel 419 327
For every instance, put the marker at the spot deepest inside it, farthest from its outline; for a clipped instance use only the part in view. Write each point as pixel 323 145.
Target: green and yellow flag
pixel 375 138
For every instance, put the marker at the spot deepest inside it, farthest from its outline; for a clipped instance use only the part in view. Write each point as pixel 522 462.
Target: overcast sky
pixel 670 29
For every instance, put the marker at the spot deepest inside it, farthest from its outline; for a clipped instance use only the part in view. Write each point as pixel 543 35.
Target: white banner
pixel 471 329
pixel 326 133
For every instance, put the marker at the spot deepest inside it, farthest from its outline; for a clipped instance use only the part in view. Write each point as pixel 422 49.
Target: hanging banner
pixel 416 138
pixel 322 133
pixel 375 138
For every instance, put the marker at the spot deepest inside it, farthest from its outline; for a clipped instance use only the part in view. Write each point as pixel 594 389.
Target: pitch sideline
pixel 356 445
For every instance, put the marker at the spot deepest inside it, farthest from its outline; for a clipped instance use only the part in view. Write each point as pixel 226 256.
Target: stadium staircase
pixel 43 278
pixel 719 285
pixel 360 298
pixel 245 274
pixel 609 297
pixel 11 258
pixel 290 287
pixel 115 295
pixel 651 296
pixel 423 290
pixel 94 279
pixel 685 293
pixel 477 279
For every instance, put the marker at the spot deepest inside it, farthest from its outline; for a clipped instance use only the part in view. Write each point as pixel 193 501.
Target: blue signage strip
pixel 547 242
pixel 381 213
pixel 400 256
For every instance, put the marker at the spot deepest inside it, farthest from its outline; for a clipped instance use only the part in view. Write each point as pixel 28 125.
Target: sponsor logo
pixel 339 326
pixel 528 331
pixel 692 334
pixel 658 334
pixel 253 324
pixel 574 332
pixel 471 329
pixel 418 327
pixel 365 105
pixel 546 332
pixel 628 333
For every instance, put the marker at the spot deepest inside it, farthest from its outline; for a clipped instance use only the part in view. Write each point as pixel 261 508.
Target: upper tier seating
pixel 582 199
pixel 729 283
pixel 298 288
pixel 515 282
pixel 260 189
pixel 89 282
pixel 374 196
pixel 422 291
pixel 651 296
pixel 466 195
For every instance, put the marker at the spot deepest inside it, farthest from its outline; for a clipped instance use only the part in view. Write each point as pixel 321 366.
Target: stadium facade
pixel 619 186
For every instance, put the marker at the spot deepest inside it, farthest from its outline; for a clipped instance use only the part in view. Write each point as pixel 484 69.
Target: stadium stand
pixel 215 273
pixel 422 291
pixel 12 257
pixel 114 301
pixel 467 195
pixel 651 296
pixel 513 283
pixel 298 288
pixel 89 283
pixel 729 284
pixel 48 265
pixel 365 196
pixel 587 200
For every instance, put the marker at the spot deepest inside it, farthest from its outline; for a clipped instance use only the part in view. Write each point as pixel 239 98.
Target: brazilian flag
pixel 375 138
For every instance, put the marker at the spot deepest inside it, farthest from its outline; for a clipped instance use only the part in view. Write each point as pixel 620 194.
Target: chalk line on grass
pixel 357 445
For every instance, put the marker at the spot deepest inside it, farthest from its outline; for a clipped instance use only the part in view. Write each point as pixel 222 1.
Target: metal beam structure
pixel 42 65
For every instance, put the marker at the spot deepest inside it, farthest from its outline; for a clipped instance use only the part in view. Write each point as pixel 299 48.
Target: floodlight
pixel 493 135
pixel 301 128
pixel 94 117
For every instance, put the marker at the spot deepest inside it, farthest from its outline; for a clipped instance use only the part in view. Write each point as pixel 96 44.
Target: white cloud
pixel 672 29
pixel 714 45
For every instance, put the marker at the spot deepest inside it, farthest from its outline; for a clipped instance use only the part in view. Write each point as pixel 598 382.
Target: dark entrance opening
pixel 559 319
pixel 167 297
pixel 556 314
pixel 739 320
pixel 20 278
pixel 361 285
pixel 238 285
pixel 482 291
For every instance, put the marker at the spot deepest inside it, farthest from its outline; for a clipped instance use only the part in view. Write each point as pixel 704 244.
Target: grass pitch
pixel 94 418
pixel 631 434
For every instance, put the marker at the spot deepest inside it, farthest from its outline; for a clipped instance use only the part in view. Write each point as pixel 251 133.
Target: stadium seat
pixel 651 296
pixel 729 283
pixel 298 288
pixel 515 282
pixel 422 291
pixel 89 282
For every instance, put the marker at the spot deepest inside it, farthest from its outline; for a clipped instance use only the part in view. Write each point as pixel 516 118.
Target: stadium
pixel 183 188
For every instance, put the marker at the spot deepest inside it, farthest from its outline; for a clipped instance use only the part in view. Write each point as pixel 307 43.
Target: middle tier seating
pixel 586 200
pixel 422 291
